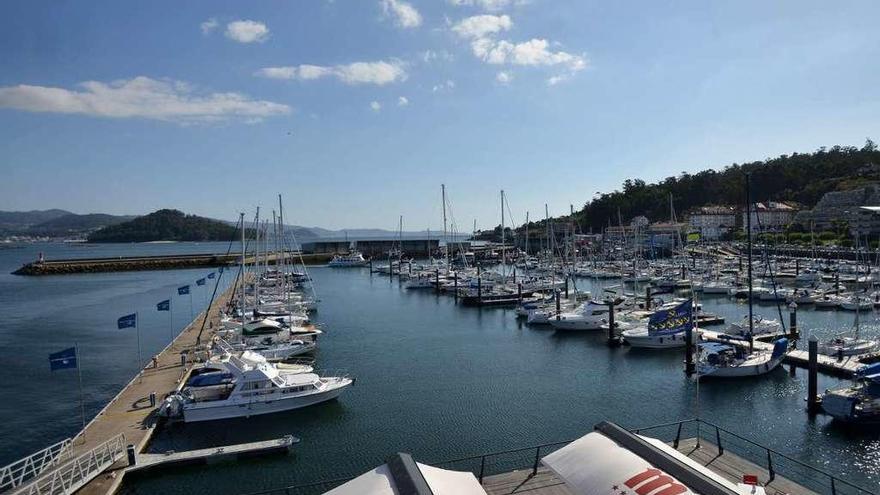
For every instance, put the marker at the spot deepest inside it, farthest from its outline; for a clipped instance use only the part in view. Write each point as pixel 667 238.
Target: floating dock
pixel 145 462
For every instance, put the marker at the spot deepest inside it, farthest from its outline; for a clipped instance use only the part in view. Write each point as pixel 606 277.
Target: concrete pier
pixel 130 412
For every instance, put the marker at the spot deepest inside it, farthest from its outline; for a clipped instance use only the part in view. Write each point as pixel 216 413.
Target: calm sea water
pixel 434 379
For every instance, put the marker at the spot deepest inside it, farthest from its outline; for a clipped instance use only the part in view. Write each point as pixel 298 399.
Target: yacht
pixel 760 326
pixel 588 316
pixel 352 259
pixel 728 361
pixel 245 385
pixel 858 403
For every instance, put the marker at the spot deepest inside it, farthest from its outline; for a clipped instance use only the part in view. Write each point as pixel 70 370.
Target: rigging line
pixel 216 285
pixel 769 268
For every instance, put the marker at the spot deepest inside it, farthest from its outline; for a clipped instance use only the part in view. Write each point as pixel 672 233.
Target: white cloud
pixel 488 5
pixel 247 31
pixel 141 97
pixel 554 80
pixel 483 32
pixel 503 77
pixel 402 101
pixel 208 26
pixel 378 73
pixel 480 26
pixel 277 72
pixel 448 84
pixel 405 15
pixel 429 56
pixel 375 106
pixel 532 52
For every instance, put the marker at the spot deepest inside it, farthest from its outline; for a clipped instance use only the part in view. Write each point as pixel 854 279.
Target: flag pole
pixel 170 320
pixel 82 402
pixel 191 315
pixel 137 327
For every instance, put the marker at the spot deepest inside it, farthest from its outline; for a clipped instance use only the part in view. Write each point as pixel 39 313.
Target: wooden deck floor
pixel 728 465
pixel 130 412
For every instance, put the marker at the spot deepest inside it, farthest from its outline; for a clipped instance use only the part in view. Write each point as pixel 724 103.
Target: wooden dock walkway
pixel 727 465
pixel 130 413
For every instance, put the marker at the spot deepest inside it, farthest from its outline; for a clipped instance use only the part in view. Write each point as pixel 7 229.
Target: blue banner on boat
pixel 182 291
pixel 127 321
pixel 211 275
pixel 675 320
pixel 200 281
pixel 63 360
pixel 164 305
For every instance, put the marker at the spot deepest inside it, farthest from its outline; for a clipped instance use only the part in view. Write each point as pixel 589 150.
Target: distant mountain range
pixel 65 224
pixel 55 223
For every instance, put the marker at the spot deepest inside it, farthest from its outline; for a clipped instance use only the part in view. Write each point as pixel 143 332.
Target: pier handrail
pixel 22 470
pixel 72 475
pixel 480 468
pixel 835 481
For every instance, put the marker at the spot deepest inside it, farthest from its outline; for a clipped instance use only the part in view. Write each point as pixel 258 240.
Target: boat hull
pixel 212 412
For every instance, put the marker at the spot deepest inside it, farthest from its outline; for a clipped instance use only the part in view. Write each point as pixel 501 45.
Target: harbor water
pixel 434 379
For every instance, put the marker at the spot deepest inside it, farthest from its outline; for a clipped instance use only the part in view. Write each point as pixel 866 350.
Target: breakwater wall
pixel 141 263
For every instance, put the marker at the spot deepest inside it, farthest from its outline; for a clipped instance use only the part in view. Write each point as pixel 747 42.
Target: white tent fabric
pixel 594 464
pixel 441 481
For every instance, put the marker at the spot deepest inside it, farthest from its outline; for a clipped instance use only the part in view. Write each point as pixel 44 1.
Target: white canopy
pixel 442 482
pixel 595 464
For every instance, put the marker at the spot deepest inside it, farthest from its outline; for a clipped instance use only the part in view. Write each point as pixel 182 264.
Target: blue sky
pixel 357 111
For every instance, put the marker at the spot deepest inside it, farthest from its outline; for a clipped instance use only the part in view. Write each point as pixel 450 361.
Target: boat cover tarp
pixel 441 481
pixel 596 464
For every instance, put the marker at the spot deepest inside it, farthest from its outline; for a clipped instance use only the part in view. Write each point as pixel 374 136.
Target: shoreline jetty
pixel 141 263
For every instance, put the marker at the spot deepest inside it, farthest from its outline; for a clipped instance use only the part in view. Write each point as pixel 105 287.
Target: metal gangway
pixel 24 470
pixel 67 476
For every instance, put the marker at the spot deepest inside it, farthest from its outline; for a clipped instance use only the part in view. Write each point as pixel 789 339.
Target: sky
pixel 356 111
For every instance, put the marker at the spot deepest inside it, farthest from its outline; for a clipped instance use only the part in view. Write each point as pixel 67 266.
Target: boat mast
pixel 241 280
pixel 527 239
pixel 749 249
pixel 257 261
pixel 503 257
pixel 283 270
pixel 445 239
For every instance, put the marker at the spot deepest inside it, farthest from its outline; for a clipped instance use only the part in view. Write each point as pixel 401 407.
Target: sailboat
pixel 858 403
pixel 851 344
pixel 727 360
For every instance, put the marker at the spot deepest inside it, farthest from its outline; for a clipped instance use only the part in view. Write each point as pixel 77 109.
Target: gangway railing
pixel 23 470
pixel 73 475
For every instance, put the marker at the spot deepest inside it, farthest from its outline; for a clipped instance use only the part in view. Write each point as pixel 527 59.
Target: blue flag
pixel 182 291
pixel 164 305
pixel 670 321
pixel 200 281
pixel 127 321
pixel 63 360
pixel 211 275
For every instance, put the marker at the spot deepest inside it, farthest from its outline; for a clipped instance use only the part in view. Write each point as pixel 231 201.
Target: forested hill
pixel 799 177
pixel 166 225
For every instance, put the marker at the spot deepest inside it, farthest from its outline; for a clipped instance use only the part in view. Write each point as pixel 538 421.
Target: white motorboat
pixel 858 403
pixel 352 259
pixel 760 326
pixel 856 303
pixel 588 316
pixel 250 386
pixel 718 360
